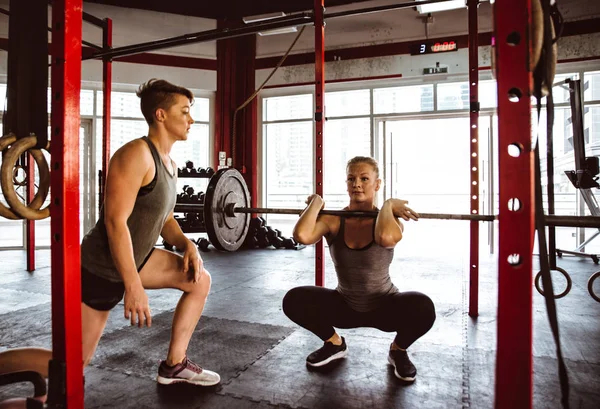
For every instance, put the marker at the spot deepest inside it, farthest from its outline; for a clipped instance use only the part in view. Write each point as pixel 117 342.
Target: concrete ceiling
pixel 222 8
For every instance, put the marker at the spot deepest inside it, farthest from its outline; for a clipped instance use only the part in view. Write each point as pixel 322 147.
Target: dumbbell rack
pixel 192 222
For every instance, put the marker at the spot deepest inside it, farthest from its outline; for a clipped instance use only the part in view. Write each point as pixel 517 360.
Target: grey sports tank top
pixel 363 274
pixel 153 205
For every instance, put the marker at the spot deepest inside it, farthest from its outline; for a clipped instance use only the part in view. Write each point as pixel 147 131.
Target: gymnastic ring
pixel 537 38
pixel 538 286
pixel 31 211
pixel 5 142
pixel 538 61
pixel 591 286
pixel 15 174
pixel 537 33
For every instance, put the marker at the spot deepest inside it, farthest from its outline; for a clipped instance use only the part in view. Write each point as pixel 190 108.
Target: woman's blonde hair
pixel 364 159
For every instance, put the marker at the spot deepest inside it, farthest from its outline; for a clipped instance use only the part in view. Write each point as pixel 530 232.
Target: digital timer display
pixel 433 47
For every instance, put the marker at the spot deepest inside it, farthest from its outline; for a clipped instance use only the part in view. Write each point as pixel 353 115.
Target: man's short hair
pixel 156 94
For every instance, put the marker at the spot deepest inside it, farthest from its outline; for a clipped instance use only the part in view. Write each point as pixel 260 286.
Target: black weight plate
pixel 226 186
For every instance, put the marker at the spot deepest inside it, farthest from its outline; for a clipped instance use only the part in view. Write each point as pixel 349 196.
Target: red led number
pixel 445 46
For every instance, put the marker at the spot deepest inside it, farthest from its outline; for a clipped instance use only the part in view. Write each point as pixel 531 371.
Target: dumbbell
pixel 202 172
pixel 210 171
pixel 203 244
pixel 290 244
pixel 167 245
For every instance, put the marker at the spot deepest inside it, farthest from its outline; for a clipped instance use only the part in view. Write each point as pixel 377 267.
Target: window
pixel 125 130
pixel 453 96
pixel 288 155
pixel 344 139
pixel 288 108
pixel 403 99
pixel 592 82
pixel 347 103
pixel 488 94
pixel 592 122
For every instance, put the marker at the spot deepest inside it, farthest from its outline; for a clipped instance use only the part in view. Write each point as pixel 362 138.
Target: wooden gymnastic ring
pixel 593 278
pixel 541 62
pixel 5 142
pixel 537 38
pixel 31 211
pixel 538 285
pixel 16 173
pixel 537 33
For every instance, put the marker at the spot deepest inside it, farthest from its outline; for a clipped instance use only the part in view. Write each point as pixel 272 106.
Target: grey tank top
pixel 152 207
pixel 363 274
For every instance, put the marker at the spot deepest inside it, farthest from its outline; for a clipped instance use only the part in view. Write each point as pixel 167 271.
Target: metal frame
pixel 474 121
pixel 319 8
pixel 30 224
pixel 66 369
pixel 514 362
pixel 106 107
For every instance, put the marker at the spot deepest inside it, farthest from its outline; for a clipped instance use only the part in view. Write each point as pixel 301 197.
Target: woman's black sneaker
pixel 327 353
pixel 403 368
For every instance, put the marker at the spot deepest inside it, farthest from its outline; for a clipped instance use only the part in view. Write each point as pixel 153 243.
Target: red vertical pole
pixel 319 118
pixel 224 104
pixel 30 177
pixel 514 380
pixel 474 120
pixel 66 368
pixel 106 100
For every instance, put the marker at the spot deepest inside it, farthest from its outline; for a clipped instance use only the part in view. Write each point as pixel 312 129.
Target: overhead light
pixel 263 17
pixel 441 6
pixel 282 30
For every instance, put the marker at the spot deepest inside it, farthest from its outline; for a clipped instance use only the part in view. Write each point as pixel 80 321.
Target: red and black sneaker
pixel 188 372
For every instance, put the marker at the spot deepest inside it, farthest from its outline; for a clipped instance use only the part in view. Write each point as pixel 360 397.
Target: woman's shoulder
pixel 333 224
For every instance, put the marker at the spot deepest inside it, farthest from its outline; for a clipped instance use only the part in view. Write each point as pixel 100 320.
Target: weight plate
pixel 226 186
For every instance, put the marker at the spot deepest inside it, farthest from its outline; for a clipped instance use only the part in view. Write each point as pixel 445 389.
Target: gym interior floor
pixel 260 354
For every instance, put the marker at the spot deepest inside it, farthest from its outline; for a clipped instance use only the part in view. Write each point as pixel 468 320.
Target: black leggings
pixel 409 314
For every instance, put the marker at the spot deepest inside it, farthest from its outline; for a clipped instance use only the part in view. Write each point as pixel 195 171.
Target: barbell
pixel 227 212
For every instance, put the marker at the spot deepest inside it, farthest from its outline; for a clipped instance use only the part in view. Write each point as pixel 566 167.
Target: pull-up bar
pixel 299 19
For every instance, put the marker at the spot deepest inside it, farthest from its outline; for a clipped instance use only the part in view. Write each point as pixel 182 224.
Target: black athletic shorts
pixel 102 294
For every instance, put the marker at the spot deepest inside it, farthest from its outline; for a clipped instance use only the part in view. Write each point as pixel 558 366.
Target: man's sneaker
pixel 403 368
pixel 327 353
pixel 188 372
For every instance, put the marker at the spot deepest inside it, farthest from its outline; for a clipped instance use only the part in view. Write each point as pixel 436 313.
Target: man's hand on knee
pixel 192 262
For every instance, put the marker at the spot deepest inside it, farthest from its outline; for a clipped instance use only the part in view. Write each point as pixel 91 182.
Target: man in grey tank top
pixel 362 251
pixel 118 259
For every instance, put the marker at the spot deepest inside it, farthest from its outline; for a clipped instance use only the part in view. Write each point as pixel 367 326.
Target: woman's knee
pixel 427 310
pixel 292 301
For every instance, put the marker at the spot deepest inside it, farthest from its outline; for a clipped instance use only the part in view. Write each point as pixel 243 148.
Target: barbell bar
pixel 227 212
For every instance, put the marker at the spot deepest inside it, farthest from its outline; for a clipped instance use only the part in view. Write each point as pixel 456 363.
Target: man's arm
pixel 311 228
pixel 126 173
pixel 388 229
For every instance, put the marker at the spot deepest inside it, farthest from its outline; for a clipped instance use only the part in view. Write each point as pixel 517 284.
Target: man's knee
pixel 201 288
